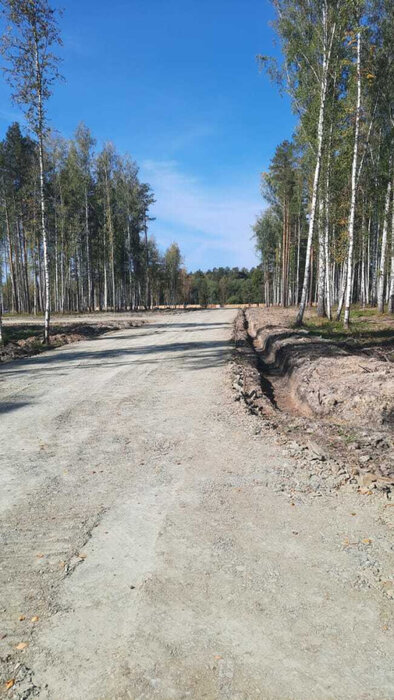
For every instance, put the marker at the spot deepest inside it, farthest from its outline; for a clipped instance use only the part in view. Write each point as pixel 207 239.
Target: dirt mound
pixel 321 378
pixel 60 335
pixel 336 400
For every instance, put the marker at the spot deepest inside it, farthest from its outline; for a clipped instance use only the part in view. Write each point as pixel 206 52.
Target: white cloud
pixel 211 225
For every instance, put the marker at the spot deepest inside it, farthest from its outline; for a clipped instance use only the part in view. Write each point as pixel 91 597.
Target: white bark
pixel 391 292
pixel 348 292
pixel 327 254
pixel 1 299
pixel 320 131
pixel 382 265
pixel 87 233
pixel 298 260
pixel 321 261
pixel 40 134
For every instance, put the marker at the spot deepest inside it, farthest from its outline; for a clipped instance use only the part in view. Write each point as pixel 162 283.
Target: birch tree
pixel 1 293
pixel 308 30
pixel 349 267
pixel 31 34
pixel 382 266
pixel 391 288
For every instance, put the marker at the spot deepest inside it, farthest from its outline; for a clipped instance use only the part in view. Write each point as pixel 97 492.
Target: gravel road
pixel 149 547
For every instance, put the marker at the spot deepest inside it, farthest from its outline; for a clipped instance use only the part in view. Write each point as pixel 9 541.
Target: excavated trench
pixel 344 396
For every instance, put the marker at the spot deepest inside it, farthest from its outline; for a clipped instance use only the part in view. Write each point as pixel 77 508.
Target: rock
pixel 366 480
pixel 314 481
pixel 317 452
pixel 365 458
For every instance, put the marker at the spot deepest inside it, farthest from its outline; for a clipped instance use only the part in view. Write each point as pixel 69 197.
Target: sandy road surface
pixel 143 525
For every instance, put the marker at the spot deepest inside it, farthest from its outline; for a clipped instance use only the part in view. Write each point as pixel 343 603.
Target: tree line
pixel 221 285
pixel 327 235
pixel 96 221
pixel 97 215
pixel 73 221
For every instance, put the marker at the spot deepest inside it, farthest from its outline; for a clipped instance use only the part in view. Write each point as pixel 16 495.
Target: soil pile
pixel 60 335
pixel 340 393
pixel 322 378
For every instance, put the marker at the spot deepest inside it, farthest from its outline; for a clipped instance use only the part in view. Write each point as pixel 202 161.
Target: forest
pixel 74 220
pixel 327 235
pixel 97 217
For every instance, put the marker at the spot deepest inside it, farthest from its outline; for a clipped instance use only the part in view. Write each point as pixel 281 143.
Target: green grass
pixel 367 327
pixel 11 334
pixel 19 332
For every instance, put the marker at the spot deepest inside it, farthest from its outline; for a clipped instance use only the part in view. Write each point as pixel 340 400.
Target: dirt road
pixel 146 523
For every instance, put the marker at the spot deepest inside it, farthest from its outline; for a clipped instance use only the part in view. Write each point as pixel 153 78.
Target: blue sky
pixel 175 83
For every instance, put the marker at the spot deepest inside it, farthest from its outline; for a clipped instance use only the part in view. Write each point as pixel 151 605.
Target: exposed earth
pixel 340 390
pixel 160 541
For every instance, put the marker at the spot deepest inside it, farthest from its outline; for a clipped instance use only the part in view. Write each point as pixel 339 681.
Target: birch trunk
pixel 341 297
pixel 147 301
pixel 1 299
pixel 327 247
pixel 321 265
pixel 15 302
pixel 320 131
pixel 40 134
pixel 391 292
pixel 298 261
pixel 382 265
pixel 348 292
pixel 88 267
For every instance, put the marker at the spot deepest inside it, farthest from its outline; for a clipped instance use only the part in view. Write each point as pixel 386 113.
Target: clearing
pixel 158 541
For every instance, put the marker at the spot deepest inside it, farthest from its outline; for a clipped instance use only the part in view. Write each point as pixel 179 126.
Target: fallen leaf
pixel 62 564
pixel 353 513
pixel 366 540
pixel 35 618
pixel 39 556
pixel 22 617
pixel 365 492
pixel 22 645
pixel 218 657
pixel 82 556
pixel 10 683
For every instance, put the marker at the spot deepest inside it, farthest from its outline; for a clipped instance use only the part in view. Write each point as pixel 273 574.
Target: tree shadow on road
pixel 194 355
pixel 8 406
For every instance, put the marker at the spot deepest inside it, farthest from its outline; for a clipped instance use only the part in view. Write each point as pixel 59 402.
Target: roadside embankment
pixel 341 392
pixel 24 338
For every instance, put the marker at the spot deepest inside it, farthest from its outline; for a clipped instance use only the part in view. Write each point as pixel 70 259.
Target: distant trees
pixel 73 222
pixel 172 263
pixel 328 232
pixel 222 285
pixel 96 209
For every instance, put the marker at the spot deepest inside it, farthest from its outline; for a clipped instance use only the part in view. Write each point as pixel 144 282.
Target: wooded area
pixel 327 236
pixel 74 222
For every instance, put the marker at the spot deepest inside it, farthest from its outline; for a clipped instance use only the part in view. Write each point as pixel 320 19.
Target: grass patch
pixel 12 334
pixel 367 328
